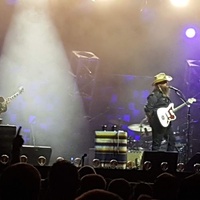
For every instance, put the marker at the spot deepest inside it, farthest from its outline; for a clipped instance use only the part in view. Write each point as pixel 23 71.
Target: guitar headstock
pixel 21 89
pixel 191 100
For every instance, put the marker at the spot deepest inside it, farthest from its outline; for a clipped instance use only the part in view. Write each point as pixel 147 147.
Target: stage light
pixel 113 164
pixel 104 127
pixel 42 160
pixel 4 159
pixel 77 162
pixel 164 166
pixel 23 159
pixel 129 164
pixel 147 165
pixel 96 163
pixel 59 159
pixel 114 127
pixel 102 1
pixel 36 52
pixel 180 167
pixel 179 3
pixel 197 167
pixel 190 32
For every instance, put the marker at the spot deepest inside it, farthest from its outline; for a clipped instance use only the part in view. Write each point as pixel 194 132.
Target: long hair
pixel 163 88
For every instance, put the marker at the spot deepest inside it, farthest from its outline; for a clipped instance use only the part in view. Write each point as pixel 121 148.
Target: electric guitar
pixel 5 102
pixel 165 115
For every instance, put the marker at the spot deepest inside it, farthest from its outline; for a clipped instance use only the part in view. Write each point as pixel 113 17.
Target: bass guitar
pixel 4 102
pixel 165 115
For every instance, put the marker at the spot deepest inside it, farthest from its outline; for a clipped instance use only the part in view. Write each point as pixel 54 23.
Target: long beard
pixel 165 90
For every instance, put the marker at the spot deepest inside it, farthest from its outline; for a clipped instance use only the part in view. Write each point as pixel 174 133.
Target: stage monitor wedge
pixel 34 152
pixel 189 167
pixel 158 157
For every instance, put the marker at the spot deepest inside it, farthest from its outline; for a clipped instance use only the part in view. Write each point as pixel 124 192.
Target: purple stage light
pixel 12 2
pixel 190 32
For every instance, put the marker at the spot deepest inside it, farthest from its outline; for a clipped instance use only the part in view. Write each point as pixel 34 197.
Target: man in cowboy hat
pixel 159 98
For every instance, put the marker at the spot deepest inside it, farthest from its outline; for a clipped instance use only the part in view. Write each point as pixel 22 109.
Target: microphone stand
pixel 188 127
pixel 83 159
pixel 188 134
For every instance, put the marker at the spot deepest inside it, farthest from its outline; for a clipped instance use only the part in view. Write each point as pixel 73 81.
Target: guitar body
pixel 3 105
pixel 165 115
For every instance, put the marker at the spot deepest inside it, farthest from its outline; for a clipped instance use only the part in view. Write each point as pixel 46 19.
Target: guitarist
pixel 158 98
pixel 4 102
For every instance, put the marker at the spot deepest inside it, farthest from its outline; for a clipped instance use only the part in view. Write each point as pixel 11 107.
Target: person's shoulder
pixel 150 95
pixel 153 93
pixel 157 93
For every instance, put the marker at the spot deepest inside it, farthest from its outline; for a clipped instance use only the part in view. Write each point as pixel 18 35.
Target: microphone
pixel 173 88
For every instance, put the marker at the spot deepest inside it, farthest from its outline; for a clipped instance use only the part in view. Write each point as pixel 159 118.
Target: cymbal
pixel 141 128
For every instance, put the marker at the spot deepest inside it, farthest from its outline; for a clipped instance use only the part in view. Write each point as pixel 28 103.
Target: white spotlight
pixel 4 159
pixel 179 3
pixel 42 160
pixel 190 32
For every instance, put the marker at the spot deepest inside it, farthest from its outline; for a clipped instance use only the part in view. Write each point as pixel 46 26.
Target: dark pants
pixel 159 134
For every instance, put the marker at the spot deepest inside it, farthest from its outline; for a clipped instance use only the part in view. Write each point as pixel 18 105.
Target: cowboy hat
pixel 161 77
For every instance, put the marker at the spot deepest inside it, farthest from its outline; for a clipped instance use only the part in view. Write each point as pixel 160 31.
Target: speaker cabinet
pixel 158 157
pixel 34 152
pixel 7 134
pixel 190 164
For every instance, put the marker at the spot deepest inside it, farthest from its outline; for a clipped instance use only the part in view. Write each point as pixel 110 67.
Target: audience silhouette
pixel 92 181
pixel 86 169
pixel 63 181
pixel 121 187
pixel 145 197
pixel 98 194
pixel 20 181
pixel 190 187
pixel 142 188
pixel 166 186
pixel 18 141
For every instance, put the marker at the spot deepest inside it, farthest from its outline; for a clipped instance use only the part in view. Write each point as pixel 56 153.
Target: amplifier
pixel 111 145
pixel 134 159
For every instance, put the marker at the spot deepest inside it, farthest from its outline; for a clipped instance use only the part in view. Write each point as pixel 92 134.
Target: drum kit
pixel 145 142
pixel 144 130
pixel 145 133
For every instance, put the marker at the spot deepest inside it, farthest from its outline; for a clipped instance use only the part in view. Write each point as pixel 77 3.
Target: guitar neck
pixel 12 97
pixel 180 106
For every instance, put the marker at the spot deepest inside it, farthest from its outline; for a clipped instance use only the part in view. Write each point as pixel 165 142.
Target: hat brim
pixel 166 79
